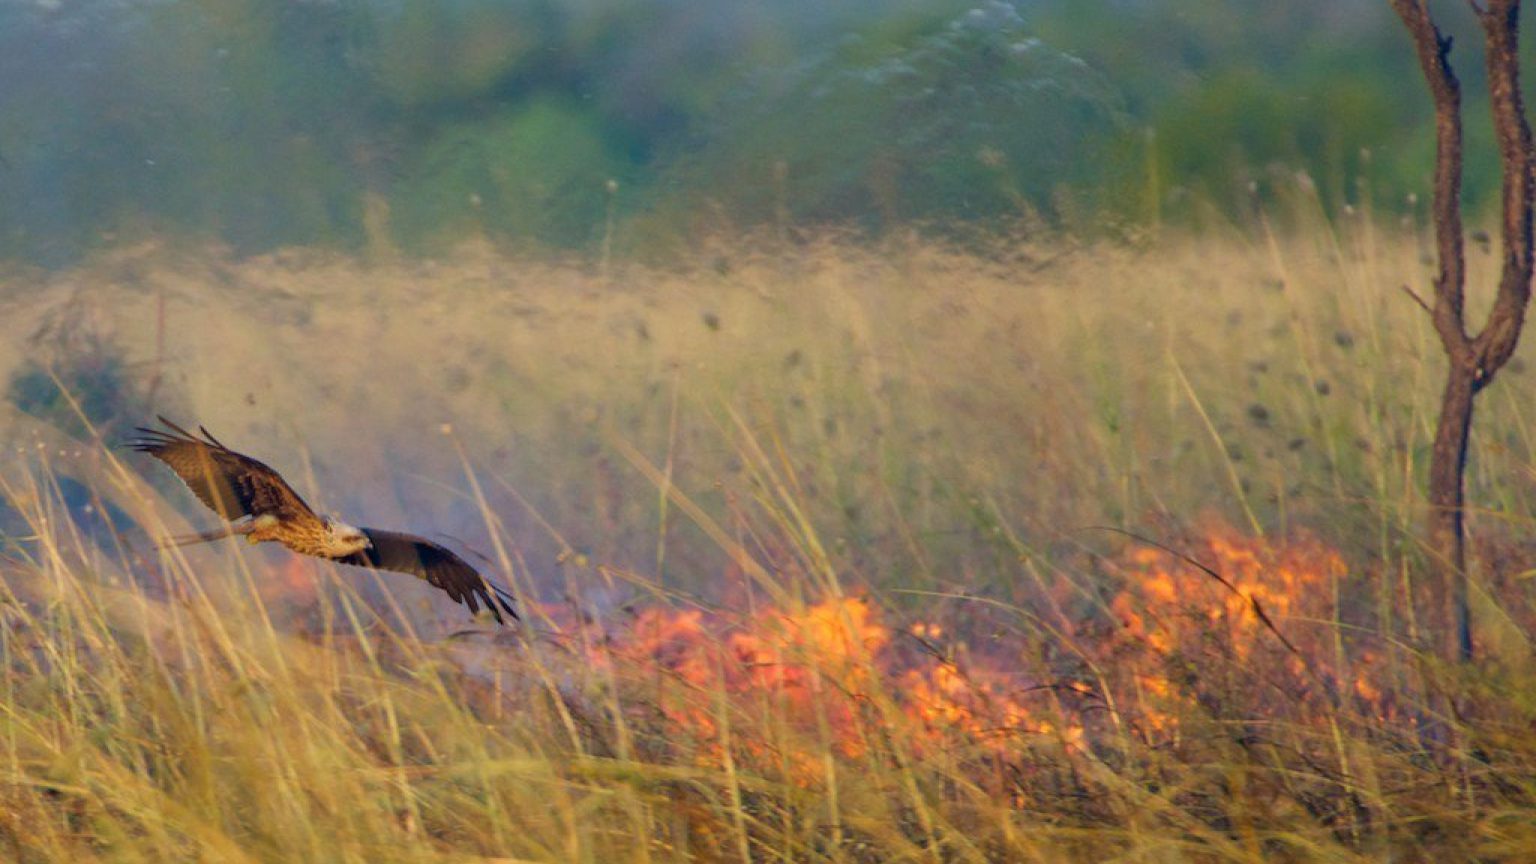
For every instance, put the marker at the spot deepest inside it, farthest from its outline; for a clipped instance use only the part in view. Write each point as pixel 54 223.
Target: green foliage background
pixel 264 124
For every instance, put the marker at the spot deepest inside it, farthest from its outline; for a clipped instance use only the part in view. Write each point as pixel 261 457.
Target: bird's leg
pixel 205 536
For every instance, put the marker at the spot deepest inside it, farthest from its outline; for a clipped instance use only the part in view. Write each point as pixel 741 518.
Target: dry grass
pixel 808 526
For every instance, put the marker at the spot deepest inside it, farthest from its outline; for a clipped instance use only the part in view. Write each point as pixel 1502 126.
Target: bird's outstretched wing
pixel 231 484
pixel 438 565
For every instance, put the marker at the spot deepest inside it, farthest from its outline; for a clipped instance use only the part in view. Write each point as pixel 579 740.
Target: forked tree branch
pixel 1474 360
pixel 1433 49
pixel 1496 343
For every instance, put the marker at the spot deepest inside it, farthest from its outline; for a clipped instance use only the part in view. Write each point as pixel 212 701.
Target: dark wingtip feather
pixel 148 437
pixel 148 440
pixel 182 433
pixel 179 430
pixel 506 603
pixel 495 598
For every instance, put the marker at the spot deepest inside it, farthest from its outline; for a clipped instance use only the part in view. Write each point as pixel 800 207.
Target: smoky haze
pixel 324 229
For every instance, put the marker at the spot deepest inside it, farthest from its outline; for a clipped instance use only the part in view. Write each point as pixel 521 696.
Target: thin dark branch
pixel 1419 300
pixel 1433 49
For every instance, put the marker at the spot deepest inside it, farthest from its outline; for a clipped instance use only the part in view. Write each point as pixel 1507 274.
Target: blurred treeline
pixel 587 124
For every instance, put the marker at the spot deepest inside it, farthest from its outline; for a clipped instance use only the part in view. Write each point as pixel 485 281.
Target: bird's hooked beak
pixel 350 534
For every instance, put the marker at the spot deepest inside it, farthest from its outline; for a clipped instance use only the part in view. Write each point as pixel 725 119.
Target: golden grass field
pixel 809 540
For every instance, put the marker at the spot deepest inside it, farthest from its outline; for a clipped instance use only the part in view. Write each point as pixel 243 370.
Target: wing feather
pixel 438 565
pixel 230 484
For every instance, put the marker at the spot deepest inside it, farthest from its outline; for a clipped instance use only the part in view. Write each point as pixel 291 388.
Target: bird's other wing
pixel 407 553
pixel 229 483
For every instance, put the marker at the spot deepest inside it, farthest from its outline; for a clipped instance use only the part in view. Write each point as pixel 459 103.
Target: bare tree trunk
pixel 1473 360
pixel 1447 498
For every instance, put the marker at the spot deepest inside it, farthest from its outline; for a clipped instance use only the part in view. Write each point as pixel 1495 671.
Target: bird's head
pixel 345 539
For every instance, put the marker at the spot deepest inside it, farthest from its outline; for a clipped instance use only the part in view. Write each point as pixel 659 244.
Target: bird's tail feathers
pixel 202 536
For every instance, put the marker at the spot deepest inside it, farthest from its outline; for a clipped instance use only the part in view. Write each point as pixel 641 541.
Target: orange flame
pixel 832 677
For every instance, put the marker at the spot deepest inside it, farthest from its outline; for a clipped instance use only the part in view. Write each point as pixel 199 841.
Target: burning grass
pixel 808 574
pixel 170 722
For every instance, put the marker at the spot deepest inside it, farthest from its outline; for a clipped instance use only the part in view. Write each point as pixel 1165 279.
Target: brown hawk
pixel 261 506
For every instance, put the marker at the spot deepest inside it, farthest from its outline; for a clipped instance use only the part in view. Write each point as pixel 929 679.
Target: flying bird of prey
pixel 260 506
